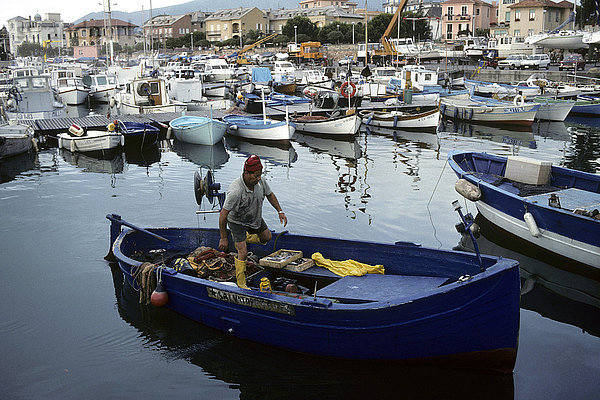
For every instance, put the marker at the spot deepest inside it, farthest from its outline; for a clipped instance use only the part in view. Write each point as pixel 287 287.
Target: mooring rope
pixel 146 280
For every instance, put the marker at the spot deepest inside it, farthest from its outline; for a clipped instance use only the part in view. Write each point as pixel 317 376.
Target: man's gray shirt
pixel 244 204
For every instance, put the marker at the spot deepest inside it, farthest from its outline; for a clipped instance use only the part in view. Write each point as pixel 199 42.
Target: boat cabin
pixel 147 92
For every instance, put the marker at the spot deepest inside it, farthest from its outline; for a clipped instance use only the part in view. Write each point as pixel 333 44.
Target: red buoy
pixel 159 296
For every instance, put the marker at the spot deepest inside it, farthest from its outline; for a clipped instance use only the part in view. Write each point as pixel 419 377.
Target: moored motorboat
pixel 587 106
pixel 77 139
pixel 146 96
pixel 198 130
pixel 551 207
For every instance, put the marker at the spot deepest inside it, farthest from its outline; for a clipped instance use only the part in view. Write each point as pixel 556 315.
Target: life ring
pixel 344 89
pixel 310 92
pixel 519 100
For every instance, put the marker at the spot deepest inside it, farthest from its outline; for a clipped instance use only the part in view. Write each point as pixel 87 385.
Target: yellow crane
pixel 388 47
pixel 45 44
pixel 241 59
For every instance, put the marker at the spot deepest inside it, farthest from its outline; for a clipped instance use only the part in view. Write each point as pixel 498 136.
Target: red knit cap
pixel 252 164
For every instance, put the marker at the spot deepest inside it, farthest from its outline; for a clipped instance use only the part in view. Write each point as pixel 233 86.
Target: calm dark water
pixel 70 330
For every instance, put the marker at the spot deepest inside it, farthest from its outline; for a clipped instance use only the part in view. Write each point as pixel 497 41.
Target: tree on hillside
pixel 304 26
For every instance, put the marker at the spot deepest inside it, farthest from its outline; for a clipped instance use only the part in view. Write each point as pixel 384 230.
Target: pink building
pixel 466 15
pixel 327 3
pixel 85 51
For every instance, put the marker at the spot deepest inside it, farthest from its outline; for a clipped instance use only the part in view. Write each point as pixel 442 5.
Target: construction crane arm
pixel 258 42
pixel 385 38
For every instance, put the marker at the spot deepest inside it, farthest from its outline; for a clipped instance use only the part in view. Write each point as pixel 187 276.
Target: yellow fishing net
pixel 348 267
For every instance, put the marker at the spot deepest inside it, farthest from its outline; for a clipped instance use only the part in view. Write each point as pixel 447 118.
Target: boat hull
pixel 198 130
pixel 553 110
pixel 476 320
pixel 477 112
pixel 343 126
pixel 127 108
pixel 561 231
pixel 428 120
pixel 93 141
pixel 73 96
pixel 257 129
pixel 15 139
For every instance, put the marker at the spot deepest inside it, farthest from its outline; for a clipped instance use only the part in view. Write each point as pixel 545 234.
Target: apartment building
pixel 36 30
pixel 465 15
pixel 96 32
pixel 529 17
pixel 235 22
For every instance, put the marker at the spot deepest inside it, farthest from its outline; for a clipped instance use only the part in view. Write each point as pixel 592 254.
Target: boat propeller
pixel 207 187
pixel 468 225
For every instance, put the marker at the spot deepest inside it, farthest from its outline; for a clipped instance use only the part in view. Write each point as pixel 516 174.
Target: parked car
pixel 536 61
pixel 572 61
pixel 512 61
pixel 347 61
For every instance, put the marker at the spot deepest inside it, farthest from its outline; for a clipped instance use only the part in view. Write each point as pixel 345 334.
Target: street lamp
pixel 296 34
pixel 338 28
pixel 353 32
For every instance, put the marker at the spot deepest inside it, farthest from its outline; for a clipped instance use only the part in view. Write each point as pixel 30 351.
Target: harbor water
pixel 70 329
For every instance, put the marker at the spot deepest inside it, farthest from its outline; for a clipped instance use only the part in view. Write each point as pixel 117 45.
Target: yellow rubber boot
pixel 240 273
pixel 253 239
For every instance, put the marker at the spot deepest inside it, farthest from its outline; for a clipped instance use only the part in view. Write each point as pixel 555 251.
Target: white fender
pixel 112 102
pixel 467 190
pixel 169 131
pixel 233 127
pixel 532 225
pixel 519 100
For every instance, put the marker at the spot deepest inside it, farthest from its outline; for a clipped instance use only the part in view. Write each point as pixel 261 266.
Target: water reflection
pixel 583 152
pixel 143 157
pixel 11 167
pixel 213 157
pixel 277 153
pixel 262 372
pixel 345 148
pixel 110 162
pixel 569 294
pixel 515 138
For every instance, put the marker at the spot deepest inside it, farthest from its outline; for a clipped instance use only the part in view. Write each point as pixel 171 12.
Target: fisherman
pixel 242 211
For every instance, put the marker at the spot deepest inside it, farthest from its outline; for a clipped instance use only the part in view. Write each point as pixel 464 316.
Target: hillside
pixel 201 5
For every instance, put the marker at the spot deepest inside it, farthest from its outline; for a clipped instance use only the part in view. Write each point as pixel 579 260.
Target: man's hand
pixel 283 218
pixel 223 244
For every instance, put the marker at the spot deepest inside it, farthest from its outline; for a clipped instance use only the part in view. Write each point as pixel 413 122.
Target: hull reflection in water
pixel 348 149
pixel 143 157
pixel 425 140
pixel 246 364
pixel 11 167
pixel 214 156
pixel 521 136
pixel 282 153
pixel 107 162
pixel 556 293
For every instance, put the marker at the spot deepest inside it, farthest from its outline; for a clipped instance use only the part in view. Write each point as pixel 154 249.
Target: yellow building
pixel 232 23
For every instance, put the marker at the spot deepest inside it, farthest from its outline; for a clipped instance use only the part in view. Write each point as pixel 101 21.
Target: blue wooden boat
pixel 551 207
pixel 138 135
pixel 198 130
pixel 431 305
pixel 587 106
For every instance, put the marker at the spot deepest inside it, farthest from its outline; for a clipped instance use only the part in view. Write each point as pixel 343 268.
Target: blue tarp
pixel 261 75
